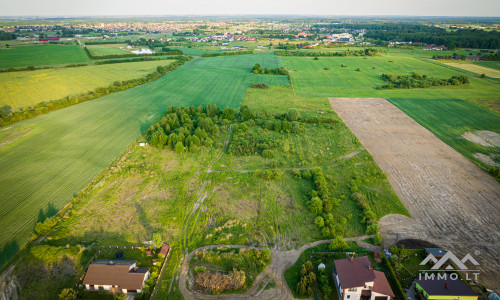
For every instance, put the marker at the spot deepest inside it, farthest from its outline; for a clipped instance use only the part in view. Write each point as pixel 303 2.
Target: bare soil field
pixel 453 203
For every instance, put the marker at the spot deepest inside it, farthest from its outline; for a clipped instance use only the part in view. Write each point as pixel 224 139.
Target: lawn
pixel 106 49
pixel 65 149
pixel 311 79
pixel 449 119
pixel 22 89
pixel 42 55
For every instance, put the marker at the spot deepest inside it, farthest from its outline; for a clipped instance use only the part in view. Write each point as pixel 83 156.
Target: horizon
pixel 424 8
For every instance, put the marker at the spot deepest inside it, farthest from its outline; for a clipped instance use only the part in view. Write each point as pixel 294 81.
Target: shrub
pixel 292 115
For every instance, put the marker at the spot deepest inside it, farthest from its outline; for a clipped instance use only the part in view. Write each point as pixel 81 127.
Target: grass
pixel 310 78
pixel 42 55
pixel 22 89
pixel 449 119
pixel 478 69
pixel 106 49
pixel 66 149
pixel 489 64
pixel 194 51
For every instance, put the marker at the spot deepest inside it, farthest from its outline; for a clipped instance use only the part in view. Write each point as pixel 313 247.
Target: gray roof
pixel 437 287
pixel 435 251
pixel 114 262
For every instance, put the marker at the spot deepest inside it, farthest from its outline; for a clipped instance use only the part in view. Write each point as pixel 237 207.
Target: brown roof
pixel 437 287
pixel 354 274
pixel 164 249
pixel 381 285
pixel 116 274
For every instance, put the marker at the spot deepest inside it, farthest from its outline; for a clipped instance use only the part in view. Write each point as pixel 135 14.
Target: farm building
pixel 445 289
pixel 356 279
pixel 117 276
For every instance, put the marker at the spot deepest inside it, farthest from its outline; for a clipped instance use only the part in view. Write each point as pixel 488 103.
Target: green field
pixel 489 64
pixel 194 51
pixel 449 119
pixel 311 79
pixel 26 88
pixel 106 49
pixel 52 157
pixel 42 55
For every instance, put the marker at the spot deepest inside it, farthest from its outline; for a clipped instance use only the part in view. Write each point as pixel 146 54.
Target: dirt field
pixel 454 204
pixel 477 69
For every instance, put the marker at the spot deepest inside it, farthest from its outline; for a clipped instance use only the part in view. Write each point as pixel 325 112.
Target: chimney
pixel 446 285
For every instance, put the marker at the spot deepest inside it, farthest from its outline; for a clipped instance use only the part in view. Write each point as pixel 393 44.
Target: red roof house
pixel 164 250
pixel 355 278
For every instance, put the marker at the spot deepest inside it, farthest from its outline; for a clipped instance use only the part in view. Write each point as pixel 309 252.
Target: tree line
pixel 7 116
pixel 419 81
pixel 257 69
pixel 362 52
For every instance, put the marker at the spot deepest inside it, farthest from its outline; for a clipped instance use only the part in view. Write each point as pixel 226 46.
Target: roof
pixel 354 274
pixel 115 273
pixel 381 285
pixel 164 249
pixel 377 250
pixel 435 251
pixel 437 287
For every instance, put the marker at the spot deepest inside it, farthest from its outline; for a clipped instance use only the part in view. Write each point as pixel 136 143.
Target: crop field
pixel 313 78
pixel 26 88
pixel 489 64
pixel 478 69
pixel 194 51
pixel 450 119
pixel 106 49
pixel 42 55
pixel 50 158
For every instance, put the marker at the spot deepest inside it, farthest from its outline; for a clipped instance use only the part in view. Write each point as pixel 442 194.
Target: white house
pixel 119 276
pixel 356 280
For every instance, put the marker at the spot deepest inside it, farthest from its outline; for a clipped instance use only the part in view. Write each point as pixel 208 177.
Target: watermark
pixel 441 268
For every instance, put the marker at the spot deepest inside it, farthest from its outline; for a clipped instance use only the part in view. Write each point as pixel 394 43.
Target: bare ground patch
pixel 453 202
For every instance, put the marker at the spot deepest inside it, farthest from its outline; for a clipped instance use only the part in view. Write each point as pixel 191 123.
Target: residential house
pixel 164 250
pixel 445 289
pixel 357 280
pixel 118 276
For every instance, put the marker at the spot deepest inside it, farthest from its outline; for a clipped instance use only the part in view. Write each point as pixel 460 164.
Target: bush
pixel 292 115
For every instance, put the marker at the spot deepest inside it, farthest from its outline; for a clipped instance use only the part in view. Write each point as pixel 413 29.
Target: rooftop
pixel 115 273
pixel 438 287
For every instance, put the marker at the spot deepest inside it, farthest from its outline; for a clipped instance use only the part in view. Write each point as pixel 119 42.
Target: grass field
pixel 489 64
pixel 42 55
pixel 194 51
pixel 21 89
pixel 449 119
pixel 478 69
pixel 65 149
pixel 106 49
pixel 311 79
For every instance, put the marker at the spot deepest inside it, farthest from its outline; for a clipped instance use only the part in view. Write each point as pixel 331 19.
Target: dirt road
pixel 452 201
pixel 280 261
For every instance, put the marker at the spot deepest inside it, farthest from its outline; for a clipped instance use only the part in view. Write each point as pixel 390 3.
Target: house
pixel 445 289
pixel 164 250
pixel 357 280
pixel 118 276
pixel 437 253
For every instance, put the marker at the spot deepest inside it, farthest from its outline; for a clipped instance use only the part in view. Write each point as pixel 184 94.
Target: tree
pixel 179 148
pixel 319 222
pixel 157 241
pixel 292 115
pixel 339 244
pixel 68 294
pixel 316 205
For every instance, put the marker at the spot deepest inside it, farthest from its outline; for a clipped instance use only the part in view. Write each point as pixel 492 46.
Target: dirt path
pixel 280 261
pixel 453 203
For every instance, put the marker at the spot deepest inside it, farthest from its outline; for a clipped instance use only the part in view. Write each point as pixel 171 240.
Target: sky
pixel 268 7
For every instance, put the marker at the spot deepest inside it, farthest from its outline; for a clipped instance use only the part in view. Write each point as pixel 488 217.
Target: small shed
pixel 321 266
pixel 164 250
pixel 148 252
pixel 377 252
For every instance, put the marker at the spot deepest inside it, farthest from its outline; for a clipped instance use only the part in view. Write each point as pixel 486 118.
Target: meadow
pixel 106 49
pixel 327 78
pixel 42 55
pixel 193 51
pixel 489 64
pixel 449 119
pixel 26 88
pixel 50 158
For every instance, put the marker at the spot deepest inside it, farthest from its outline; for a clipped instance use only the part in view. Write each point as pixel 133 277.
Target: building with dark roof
pixel 357 280
pixel 443 289
pixel 119 276
pixel 436 252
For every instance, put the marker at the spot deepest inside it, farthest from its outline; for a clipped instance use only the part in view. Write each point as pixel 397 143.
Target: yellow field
pixel 21 89
pixel 476 69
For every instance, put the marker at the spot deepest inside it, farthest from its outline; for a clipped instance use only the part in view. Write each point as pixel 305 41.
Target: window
pixel 352 290
pixel 348 296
